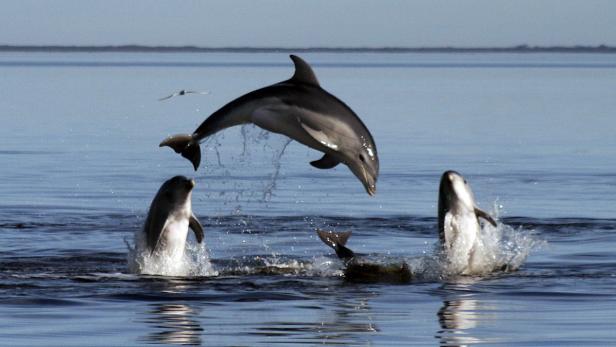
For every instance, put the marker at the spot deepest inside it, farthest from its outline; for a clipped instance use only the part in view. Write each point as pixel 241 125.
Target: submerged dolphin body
pixel 300 109
pixel 458 224
pixel 169 217
pixel 360 269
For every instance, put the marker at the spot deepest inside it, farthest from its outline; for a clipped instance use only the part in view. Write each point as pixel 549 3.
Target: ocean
pixel 534 135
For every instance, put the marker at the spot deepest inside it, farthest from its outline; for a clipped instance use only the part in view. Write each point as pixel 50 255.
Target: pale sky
pixel 289 23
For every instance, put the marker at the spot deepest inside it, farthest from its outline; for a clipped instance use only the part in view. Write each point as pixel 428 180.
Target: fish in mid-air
pixel 300 109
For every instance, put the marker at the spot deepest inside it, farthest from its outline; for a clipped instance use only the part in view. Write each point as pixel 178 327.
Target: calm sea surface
pixel 535 135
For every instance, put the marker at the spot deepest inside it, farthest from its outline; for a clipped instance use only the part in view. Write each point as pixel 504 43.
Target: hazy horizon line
pixel 523 48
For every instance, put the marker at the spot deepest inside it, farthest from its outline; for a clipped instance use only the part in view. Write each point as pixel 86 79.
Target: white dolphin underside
pixel 172 242
pixel 461 230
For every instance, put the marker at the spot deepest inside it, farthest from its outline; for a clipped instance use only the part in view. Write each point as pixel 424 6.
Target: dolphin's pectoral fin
pixel 303 72
pixel 326 162
pixel 483 214
pixel 319 136
pixel 196 226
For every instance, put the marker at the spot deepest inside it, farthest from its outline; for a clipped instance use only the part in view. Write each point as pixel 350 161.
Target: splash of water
pixel 319 266
pixel 195 262
pixel 271 184
pixel 258 146
pixel 496 249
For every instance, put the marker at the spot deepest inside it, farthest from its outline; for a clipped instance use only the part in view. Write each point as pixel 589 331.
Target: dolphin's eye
pixel 361 157
pixel 465 182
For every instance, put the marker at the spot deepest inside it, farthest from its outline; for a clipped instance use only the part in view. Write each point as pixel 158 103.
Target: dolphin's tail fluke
pixel 337 241
pixel 186 146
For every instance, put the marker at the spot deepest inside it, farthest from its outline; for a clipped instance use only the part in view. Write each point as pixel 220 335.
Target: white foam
pixel 195 262
pixel 500 248
pixel 497 249
pixel 318 266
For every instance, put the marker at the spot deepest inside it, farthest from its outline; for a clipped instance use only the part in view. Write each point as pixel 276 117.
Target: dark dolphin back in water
pixel 361 270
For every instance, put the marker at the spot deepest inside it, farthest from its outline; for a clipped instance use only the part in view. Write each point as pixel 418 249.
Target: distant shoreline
pixel 196 49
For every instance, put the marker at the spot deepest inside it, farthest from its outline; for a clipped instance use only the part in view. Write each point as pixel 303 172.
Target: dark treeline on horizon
pixel 196 49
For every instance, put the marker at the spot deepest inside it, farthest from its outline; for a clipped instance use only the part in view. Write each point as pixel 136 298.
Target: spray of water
pixel 231 166
pixel 271 184
pixel 499 248
pixel 195 262
pixel 281 266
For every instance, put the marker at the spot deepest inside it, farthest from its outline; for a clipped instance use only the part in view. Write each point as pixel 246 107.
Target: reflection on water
pixel 456 318
pixel 174 324
pixel 344 321
pixel 459 317
pixel 171 322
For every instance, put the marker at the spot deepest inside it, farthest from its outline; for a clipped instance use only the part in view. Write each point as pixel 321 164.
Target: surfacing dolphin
pixel 459 236
pixel 300 109
pixel 363 270
pixel 169 217
pixel 458 224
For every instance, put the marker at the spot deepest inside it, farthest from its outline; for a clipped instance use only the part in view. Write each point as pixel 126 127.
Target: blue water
pixel 80 163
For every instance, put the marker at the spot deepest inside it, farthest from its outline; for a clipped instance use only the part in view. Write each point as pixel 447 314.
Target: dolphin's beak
pixel 370 187
pixel 191 184
pixel 451 177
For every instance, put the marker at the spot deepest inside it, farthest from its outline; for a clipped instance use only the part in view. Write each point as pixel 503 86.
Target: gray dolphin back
pixel 303 91
pixel 303 72
pixel 155 222
pixel 188 145
pixel 443 206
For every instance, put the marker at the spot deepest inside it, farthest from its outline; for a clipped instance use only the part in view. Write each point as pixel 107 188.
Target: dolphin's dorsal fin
pixel 303 72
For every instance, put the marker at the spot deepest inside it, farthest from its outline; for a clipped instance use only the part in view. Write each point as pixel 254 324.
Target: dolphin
pixel 361 270
pixel 300 109
pixel 170 216
pixel 458 223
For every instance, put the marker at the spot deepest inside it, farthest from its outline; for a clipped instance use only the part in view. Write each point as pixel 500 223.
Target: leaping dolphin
pixel 300 109
pixel 169 217
pixel 458 223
